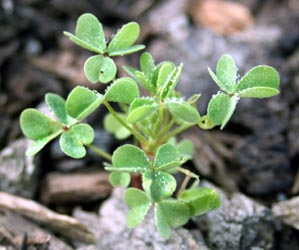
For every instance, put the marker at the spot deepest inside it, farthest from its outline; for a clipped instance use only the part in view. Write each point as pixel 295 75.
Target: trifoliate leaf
pixel 139 205
pixel 123 90
pixel 221 108
pixel 182 109
pixel 158 185
pixel 259 82
pixel 112 125
pixel 129 158
pixel 100 69
pixel 123 40
pixel 119 179
pixel 73 141
pixel 58 107
pixel 82 101
pixel 141 108
pixel 167 157
pixel 200 200
pixel 89 34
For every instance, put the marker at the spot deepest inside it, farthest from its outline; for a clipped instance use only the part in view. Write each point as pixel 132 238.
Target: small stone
pixel 240 223
pixel 18 172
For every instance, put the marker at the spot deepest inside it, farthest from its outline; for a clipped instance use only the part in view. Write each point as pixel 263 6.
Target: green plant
pixel 153 120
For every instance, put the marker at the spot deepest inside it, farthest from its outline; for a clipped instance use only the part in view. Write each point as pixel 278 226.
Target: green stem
pixel 167 127
pixel 100 152
pixel 161 116
pixel 122 122
pixel 178 130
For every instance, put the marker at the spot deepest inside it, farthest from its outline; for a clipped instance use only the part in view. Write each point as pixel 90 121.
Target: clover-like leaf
pixel 112 125
pixel 167 157
pixel 158 184
pixel 259 82
pixel 139 205
pixel 200 200
pixel 186 149
pixel 170 213
pixel 89 34
pixel 100 69
pixel 119 179
pixel 123 90
pixel 57 105
pixel 221 108
pixel 82 101
pixel 141 108
pixel 129 158
pixel 121 43
pixel 182 109
pixel 73 141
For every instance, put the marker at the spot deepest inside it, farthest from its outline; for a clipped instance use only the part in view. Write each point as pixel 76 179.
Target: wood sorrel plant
pixel 153 120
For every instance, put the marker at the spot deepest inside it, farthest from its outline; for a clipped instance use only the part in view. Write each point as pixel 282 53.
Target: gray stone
pixel 113 234
pixel 18 172
pixel 239 224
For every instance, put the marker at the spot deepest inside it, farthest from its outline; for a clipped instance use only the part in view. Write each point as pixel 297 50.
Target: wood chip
pixel 63 224
pixel 76 187
pixel 287 211
pixel 223 17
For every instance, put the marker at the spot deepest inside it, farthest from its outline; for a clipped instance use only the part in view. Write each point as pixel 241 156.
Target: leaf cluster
pixel 153 119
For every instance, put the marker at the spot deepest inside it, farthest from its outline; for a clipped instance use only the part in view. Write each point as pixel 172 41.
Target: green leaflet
pixel 221 108
pixel 81 102
pixel 158 184
pixel 119 179
pixel 182 109
pixel 167 157
pixel 58 107
pixel 170 213
pixel 259 82
pixel 226 72
pixel 129 158
pixel 141 108
pixel 122 42
pixel 147 64
pixel 37 126
pixel 123 90
pixel 200 200
pixel 139 205
pixel 100 69
pixel 89 34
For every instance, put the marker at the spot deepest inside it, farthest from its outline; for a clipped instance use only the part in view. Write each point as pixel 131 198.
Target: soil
pixel 256 155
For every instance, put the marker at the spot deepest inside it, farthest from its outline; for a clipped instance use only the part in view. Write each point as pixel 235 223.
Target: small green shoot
pixel 153 119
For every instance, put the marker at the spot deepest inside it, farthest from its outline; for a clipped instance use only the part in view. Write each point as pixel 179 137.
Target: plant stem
pixel 122 122
pixel 100 152
pixel 184 185
pixel 167 127
pixel 178 130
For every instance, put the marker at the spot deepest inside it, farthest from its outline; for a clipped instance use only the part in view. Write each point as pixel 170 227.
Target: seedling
pixel 153 121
